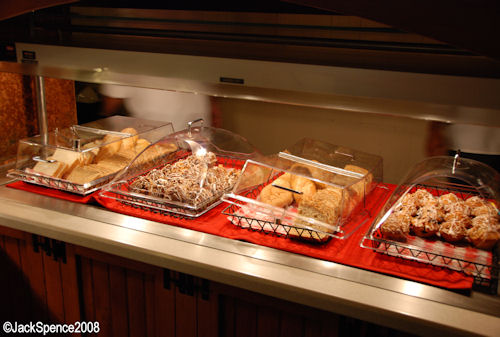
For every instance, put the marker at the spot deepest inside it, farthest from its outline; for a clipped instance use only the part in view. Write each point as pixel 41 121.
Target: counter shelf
pixel 440 176
pixel 205 165
pixel 322 187
pixel 41 161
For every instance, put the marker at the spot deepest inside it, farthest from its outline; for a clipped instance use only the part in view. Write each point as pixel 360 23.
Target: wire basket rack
pixel 282 223
pixel 482 265
pixel 120 191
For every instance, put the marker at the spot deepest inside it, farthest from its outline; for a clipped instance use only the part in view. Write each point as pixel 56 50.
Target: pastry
pixel 426 224
pixel 453 219
pixel 421 197
pixel 409 205
pixel 319 175
pixel 454 230
pixel 484 232
pixel 396 226
pixel 478 206
pixel 446 200
pixel 475 201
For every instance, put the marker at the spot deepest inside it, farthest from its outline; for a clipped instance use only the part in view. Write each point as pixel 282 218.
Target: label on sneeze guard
pixel 232 80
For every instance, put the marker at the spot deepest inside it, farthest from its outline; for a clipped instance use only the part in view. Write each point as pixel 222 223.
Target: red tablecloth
pixel 346 251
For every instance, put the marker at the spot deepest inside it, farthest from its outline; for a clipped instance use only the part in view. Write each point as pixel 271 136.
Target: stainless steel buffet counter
pixel 385 300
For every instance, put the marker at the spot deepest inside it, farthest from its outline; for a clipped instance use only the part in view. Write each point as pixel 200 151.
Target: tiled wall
pixel 18 109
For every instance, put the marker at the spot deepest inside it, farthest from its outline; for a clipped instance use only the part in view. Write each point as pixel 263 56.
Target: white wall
pixel 272 127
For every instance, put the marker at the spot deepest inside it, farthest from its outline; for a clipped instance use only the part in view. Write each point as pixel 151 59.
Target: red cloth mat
pixel 50 192
pixel 347 251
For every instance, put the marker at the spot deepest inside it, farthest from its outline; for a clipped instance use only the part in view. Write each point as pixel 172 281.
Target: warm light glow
pixel 201 152
pixel 412 288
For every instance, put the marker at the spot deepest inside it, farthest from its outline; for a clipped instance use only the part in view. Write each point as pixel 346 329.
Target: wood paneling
pixel 119 312
pixel 164 304
pixel 129 298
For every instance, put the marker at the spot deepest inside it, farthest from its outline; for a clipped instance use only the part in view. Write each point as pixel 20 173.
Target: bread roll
pixel 114 163
pixel 314 172
pixel 141 144
pixel 363 187
pixel 94 146
pixel 113 144
pixel 301 184
pixel 129 142
pixel 276 196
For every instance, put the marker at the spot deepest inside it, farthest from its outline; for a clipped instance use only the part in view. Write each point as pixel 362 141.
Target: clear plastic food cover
pixel 310 191
pixel 444 212
pixel 206 164
pixel 82 158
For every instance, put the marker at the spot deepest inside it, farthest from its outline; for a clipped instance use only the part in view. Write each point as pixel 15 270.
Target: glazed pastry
pixel 453 219
pixel 422 197
pixel 484 232
pixel 446 200
pixel 425 224
pixel 396 226
pixel 453 230
pixel 408 204
pixel 475 201
pixel 478 206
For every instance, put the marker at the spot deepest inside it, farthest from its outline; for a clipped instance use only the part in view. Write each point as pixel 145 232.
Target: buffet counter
pixel 397 303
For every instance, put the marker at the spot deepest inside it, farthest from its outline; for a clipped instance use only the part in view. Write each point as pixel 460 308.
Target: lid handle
pixel 190 124
pixel 456 161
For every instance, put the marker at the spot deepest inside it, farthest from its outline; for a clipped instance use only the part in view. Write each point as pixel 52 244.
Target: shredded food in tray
pixel 193 180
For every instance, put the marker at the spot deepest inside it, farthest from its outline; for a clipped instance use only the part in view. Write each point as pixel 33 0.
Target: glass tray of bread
pixel 207 164
pixel 82 158
pixel 445 213
pixel 310 191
